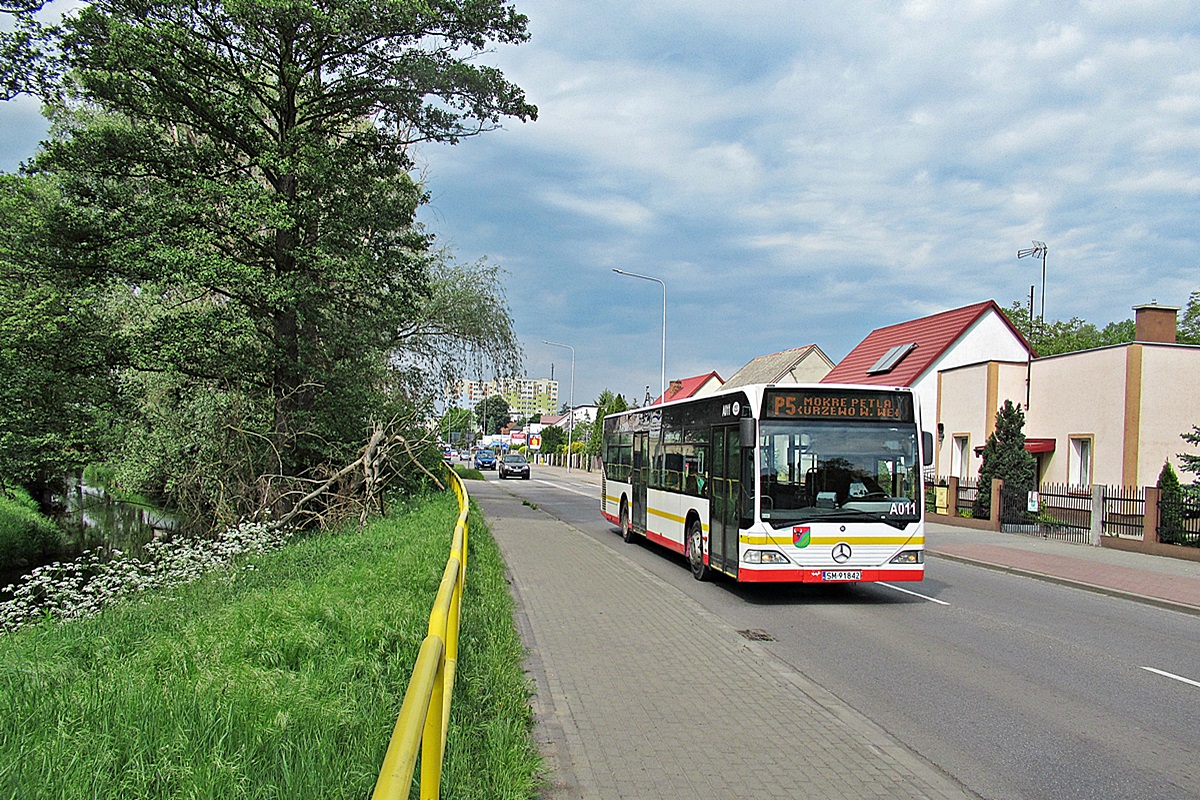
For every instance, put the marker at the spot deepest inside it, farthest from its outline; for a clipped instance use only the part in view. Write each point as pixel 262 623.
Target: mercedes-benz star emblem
pixel 841 552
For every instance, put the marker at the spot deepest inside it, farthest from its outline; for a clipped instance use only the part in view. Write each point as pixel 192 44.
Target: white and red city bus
pixel 809 483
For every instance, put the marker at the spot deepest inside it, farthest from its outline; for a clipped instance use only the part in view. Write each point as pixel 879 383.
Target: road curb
pixel 1161 602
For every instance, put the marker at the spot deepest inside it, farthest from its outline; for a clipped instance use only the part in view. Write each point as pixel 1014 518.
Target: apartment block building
pixel 525 396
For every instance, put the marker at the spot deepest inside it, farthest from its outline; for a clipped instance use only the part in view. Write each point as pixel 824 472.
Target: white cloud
pixel 806 172
pixel 611 210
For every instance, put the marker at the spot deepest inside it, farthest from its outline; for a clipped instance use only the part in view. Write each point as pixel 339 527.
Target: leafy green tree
pixel 1059 336
pixel 1189 322
pixel 58 396
pixel 1190 462
pixel 492 413
pixel 1005 457
pixel 606 403
pixel 456 420
pixel 554 439
pixel 242 169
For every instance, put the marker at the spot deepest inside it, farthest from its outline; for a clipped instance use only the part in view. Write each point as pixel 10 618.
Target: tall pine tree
pixel 1005 457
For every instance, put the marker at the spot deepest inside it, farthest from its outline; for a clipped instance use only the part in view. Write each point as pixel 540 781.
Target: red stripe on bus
pixel 659 539
pixel 746 575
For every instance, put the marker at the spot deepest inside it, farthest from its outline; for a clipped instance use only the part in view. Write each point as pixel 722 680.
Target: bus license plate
pixel 849 575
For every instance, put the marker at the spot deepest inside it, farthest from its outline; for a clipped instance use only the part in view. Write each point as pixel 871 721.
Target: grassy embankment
pixel 25 535
pixel 278 681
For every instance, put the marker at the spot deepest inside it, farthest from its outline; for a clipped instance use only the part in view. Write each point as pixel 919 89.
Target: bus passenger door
pixel 638 478
pixel 724 503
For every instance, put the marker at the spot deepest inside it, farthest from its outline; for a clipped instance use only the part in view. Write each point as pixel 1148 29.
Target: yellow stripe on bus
pixel 654 512
pixel 764 538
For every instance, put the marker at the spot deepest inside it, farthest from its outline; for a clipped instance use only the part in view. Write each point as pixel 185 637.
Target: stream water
pixel 93 519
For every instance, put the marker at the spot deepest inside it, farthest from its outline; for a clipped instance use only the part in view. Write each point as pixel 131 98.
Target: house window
pixel 960 456
pixel 1079 468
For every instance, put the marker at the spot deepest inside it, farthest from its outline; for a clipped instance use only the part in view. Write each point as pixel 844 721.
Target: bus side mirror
pixel 746 431
pixel 927 440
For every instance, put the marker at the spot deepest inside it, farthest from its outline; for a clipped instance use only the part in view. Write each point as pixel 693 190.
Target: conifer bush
pixel 1005 457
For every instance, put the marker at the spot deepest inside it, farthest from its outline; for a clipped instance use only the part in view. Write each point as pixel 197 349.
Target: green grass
pixel 25 535
pixel 278 682
pixel 468 473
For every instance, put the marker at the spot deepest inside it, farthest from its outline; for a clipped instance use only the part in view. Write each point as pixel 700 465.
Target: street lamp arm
pixel 663 375
pixel 571 419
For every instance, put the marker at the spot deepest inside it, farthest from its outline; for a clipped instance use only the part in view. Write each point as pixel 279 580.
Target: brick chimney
pixel 1154 323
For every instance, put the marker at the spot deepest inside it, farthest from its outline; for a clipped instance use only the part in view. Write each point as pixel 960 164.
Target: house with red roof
pixel 913 353
pixel 1110 415
pixel 695 386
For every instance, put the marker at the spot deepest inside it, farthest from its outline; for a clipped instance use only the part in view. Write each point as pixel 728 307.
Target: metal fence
pixel 1062 513
pixel 1124 511
pixel 968 490
pixel 1179 522
pixel 1065 512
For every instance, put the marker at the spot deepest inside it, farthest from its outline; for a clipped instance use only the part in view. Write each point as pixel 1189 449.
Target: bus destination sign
pixel 838 404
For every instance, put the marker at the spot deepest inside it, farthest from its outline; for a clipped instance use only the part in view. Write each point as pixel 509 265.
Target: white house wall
pixel 1170 406
pixel 989 338
pixel 1080 394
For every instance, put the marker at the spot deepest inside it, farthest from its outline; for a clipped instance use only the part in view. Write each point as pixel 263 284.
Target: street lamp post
pixel 1038 251
pixel 571 421
pixel 663 377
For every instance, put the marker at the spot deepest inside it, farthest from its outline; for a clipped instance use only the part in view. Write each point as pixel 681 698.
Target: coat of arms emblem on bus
pixel 801 535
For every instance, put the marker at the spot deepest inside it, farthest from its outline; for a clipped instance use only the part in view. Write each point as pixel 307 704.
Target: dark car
pixel 514 465
pixel 485 459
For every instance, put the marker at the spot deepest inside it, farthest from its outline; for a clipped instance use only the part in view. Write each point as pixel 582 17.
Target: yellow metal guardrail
pixel 425 712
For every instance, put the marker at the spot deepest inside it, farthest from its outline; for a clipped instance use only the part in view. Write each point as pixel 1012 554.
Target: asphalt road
pixel 1018 688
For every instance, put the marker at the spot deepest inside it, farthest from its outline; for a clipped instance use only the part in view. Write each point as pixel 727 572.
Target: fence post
pixel 1150 517
pixel 1097 520
pixel 952 499
pixel 997 499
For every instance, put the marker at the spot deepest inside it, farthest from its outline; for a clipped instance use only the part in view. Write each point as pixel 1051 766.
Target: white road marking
pixel 914 594
pixel 567 488
pixel 1172 676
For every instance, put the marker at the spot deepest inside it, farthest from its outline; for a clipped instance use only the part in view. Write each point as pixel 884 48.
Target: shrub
pixel 1170 515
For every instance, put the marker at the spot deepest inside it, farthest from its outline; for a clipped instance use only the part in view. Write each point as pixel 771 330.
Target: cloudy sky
pixel 803 172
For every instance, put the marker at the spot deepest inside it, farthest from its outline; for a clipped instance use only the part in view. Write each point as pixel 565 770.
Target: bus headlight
pixel 909 557
pixel 765 557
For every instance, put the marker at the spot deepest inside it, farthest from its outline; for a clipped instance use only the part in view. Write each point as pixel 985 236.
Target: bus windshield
pixel 815 470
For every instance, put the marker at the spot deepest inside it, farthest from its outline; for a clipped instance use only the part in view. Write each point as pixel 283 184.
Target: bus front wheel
pixel 695 551
pixel 626 525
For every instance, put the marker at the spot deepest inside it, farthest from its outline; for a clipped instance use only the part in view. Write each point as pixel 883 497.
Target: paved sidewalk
pixel 641 693
pixel 1159 580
